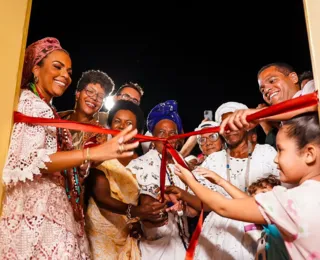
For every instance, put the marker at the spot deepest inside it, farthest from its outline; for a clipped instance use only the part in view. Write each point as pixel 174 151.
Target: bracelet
pixel 129 217
pixel 87 160
pixel 128 211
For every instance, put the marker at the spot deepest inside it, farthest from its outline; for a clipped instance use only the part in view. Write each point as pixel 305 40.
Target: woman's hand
pixel 117 147
pixel 209 175
pixel 151 212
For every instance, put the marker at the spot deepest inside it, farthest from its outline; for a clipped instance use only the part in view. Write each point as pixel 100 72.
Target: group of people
pixel 86 195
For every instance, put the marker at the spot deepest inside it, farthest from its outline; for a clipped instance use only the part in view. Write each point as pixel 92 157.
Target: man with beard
pixel 240 164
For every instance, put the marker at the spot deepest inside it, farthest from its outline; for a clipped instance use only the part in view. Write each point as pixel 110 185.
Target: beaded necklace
pixel 71 176
pixel 247 168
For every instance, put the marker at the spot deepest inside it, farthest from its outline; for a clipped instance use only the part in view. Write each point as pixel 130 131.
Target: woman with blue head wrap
pixel 167 238
pixel 166 110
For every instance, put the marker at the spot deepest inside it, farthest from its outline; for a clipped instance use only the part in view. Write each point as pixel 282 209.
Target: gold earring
pixel 35 79
pixel 98 117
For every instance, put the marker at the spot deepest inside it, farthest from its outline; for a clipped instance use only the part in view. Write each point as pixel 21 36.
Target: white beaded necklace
pixel 247 168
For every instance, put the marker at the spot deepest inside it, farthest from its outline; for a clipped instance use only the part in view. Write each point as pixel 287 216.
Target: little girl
pixel 267 237
pixel 296 211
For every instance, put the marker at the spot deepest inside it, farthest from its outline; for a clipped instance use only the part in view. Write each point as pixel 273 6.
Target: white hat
pixel 227 108
pixel 190 157
pixel 206 124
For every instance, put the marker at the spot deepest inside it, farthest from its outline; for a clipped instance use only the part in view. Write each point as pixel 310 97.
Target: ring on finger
pixel 121 149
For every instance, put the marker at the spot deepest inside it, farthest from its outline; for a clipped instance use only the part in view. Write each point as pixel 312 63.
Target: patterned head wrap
pixel 166 110
pixel 35 52
pixel 227 108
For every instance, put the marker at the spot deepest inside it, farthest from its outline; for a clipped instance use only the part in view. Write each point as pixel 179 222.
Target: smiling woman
pixel 43 172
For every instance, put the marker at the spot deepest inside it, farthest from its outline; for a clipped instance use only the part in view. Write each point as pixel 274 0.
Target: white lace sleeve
pixel 30 145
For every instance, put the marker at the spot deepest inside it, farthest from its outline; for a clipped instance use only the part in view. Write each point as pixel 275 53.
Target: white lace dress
pixel 161 243
pixel 37 220
pixel 222 238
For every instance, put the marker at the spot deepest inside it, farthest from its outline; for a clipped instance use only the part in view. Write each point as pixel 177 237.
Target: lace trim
pixel 30 145
pixel 12 176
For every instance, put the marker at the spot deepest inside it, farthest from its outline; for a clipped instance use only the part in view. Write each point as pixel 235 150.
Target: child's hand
pixel 209 175
pixel 184 174
pixel 177 207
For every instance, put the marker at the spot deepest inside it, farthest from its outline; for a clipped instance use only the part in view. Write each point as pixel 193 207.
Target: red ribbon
pixel 284 107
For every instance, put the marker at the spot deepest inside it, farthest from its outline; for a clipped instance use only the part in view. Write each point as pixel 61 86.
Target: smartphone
pixel 208 114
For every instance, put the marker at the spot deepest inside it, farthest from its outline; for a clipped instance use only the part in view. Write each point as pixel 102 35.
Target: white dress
pixel 37 221
pixel 161 243
pixel 222 238
pixel 296 214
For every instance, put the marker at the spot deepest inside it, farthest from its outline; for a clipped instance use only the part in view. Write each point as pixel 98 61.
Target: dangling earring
pixel 35 79
pixel 75 104
pixel 98 117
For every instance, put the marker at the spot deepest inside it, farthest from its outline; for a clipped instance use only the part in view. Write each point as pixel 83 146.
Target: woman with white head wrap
pixel 210 142
pixel 194 139
pixel 222 238
pixel 228 107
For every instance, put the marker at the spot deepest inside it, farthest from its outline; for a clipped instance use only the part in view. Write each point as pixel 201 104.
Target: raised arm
pixel 185 196
pixel 106 151
pixel 245 209
pixel 188 146
pixel 237 120
pixel 215 178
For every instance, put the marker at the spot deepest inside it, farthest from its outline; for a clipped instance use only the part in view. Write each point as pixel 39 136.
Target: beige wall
pixel 311 10
pixel 14 23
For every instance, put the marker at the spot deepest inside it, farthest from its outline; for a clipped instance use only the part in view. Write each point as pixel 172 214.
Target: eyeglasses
pixel 128 97
pixel 213 137
pixel 91 93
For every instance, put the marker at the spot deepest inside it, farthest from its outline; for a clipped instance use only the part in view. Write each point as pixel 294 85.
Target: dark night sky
pixel 200 54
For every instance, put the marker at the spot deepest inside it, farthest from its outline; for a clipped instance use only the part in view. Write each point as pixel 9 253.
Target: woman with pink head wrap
pixel 42 209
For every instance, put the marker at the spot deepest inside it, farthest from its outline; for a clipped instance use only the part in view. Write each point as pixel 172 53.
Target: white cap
pixel 227 108
pixel 190 157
